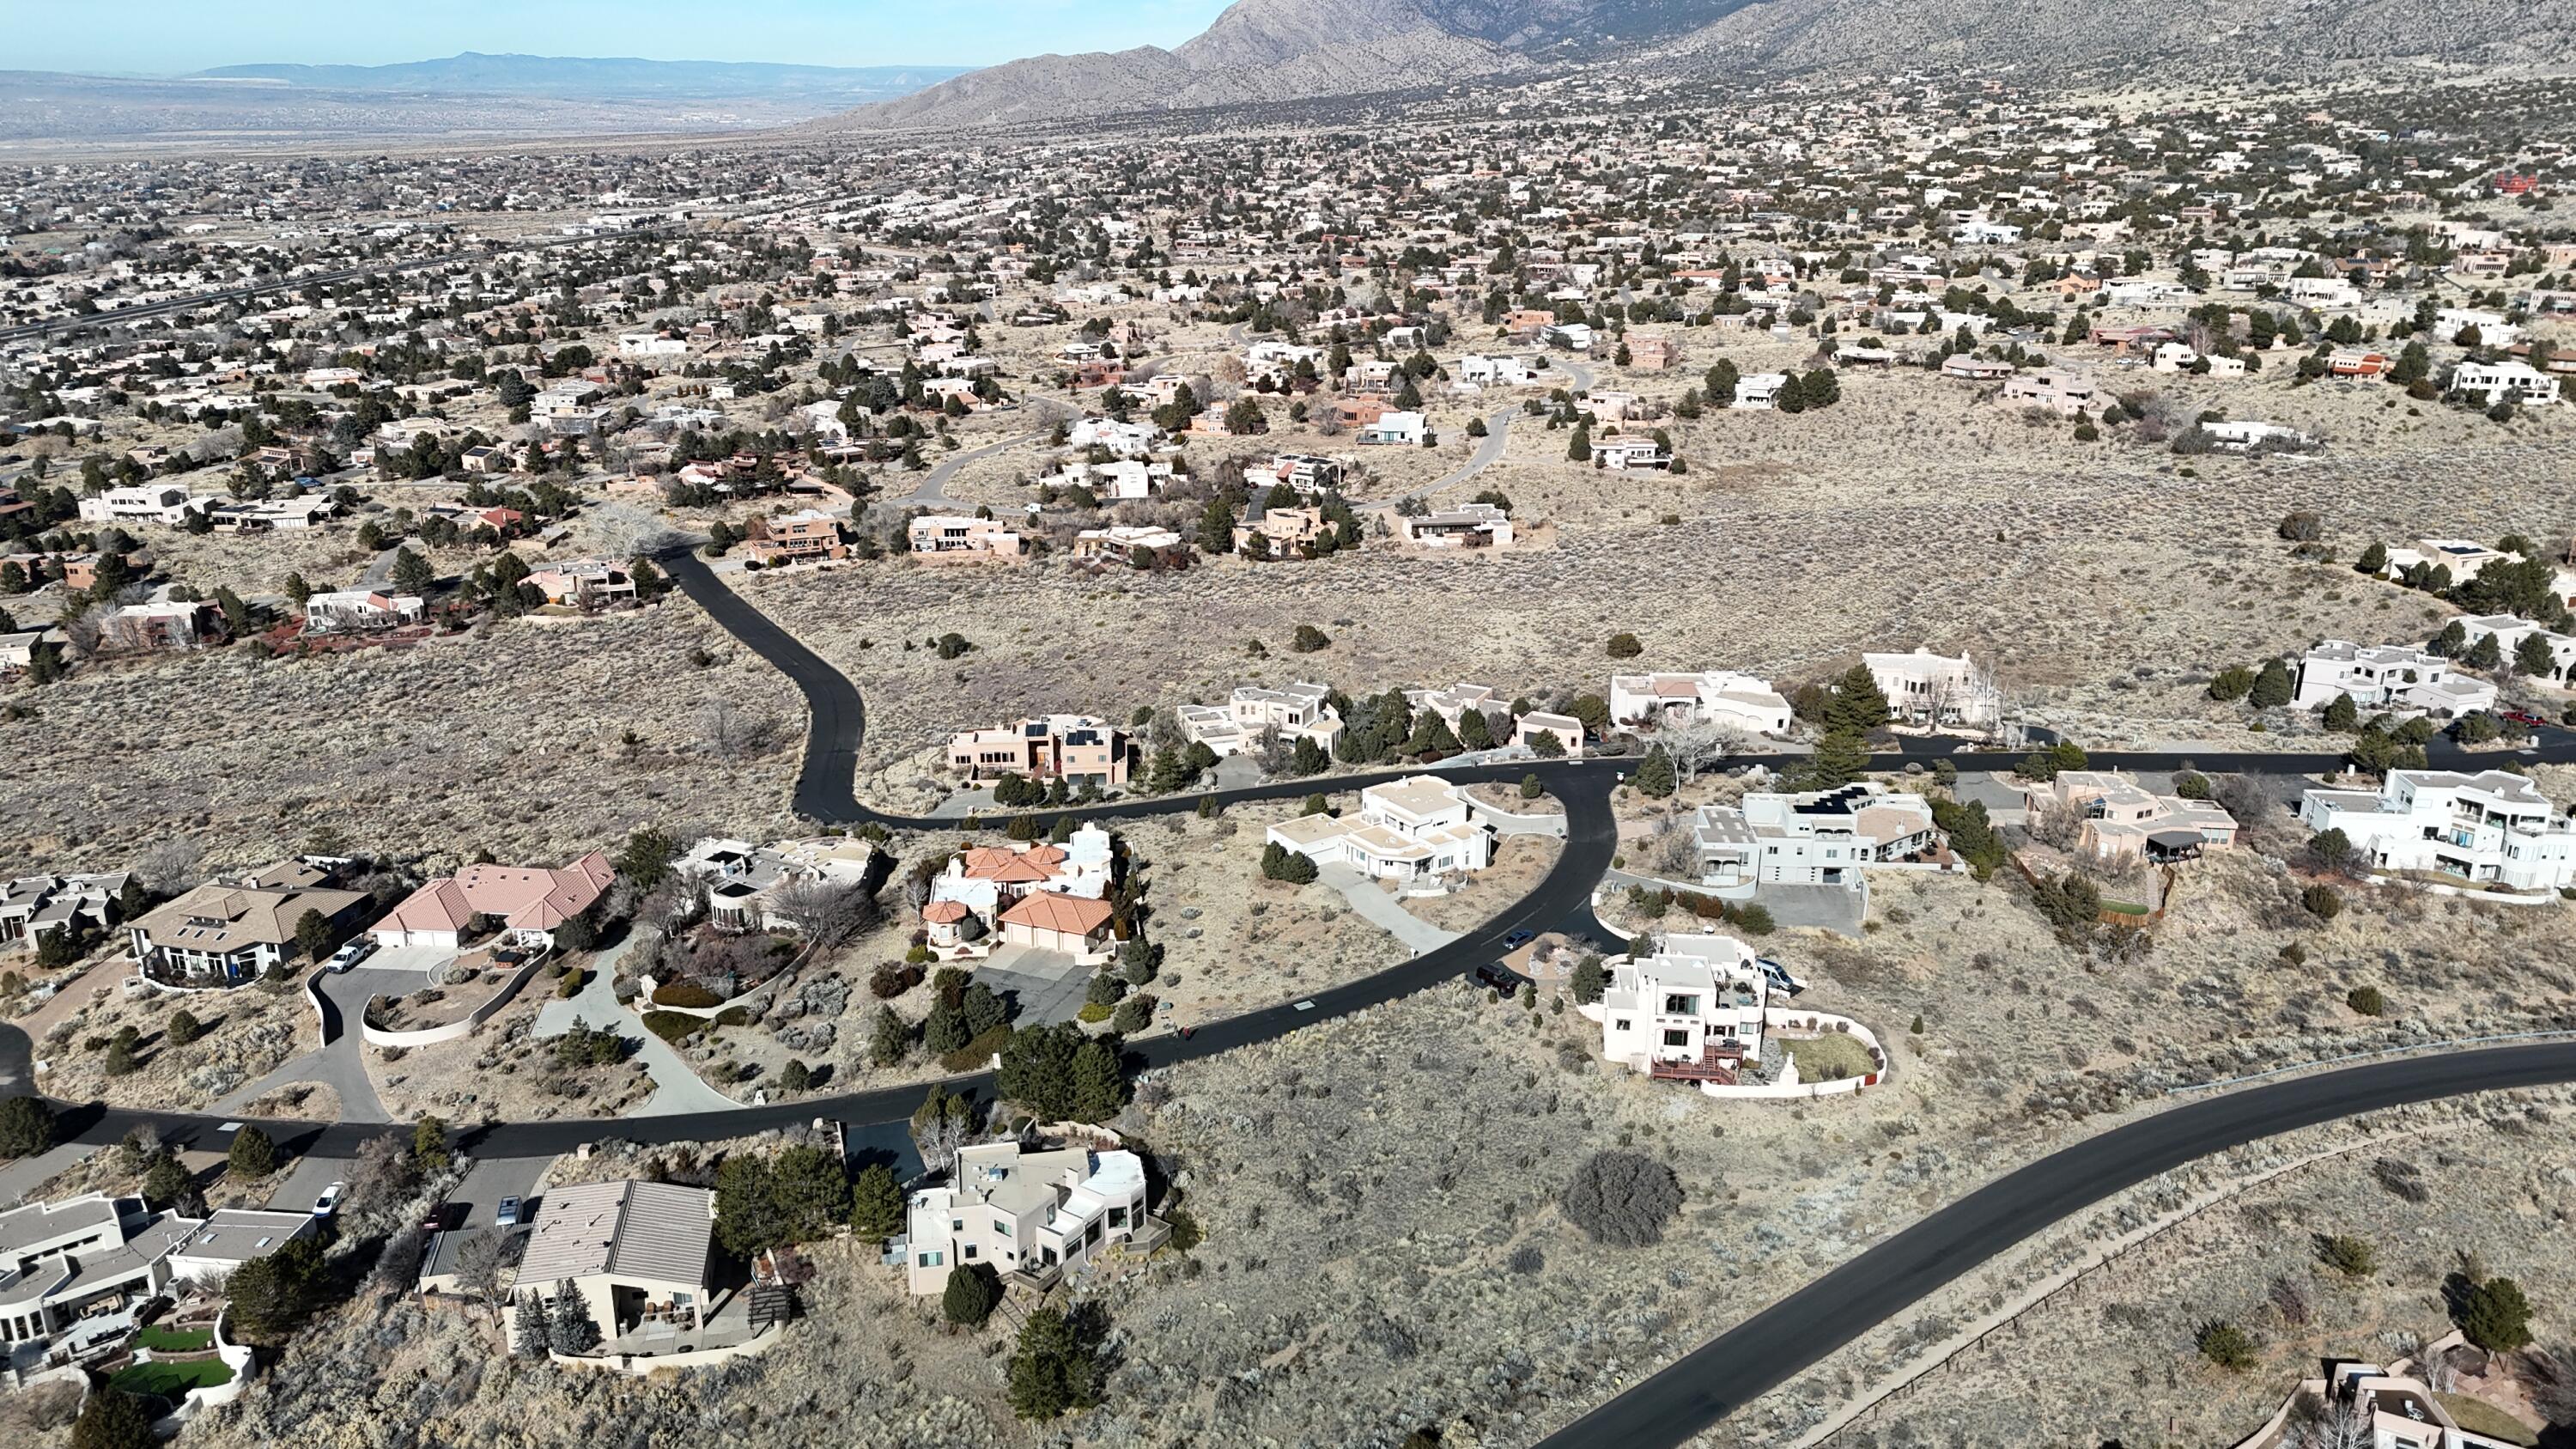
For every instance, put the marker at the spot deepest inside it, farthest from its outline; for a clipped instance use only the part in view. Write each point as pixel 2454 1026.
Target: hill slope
pixel 584 78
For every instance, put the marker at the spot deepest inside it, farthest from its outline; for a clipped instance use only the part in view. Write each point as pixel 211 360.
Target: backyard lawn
pixel 1818 1057
pixel 173 1340
pixel 172 1380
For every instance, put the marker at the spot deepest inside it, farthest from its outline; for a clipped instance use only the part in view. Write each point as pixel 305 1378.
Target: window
pixel 968 1254
pixel 1625 1025
pixel 1676 1038
pixel 1118 1217
pixel 956 1225
pixel 1681 1004
pixel 932 1260
pixel 1002 1225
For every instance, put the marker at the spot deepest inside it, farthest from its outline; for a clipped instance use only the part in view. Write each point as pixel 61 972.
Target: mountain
pixel 582 78
pixel 1284 50
pixel 2041 35
pixel 1281 50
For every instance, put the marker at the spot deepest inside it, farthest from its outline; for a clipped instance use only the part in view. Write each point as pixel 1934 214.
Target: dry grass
pixel 513 739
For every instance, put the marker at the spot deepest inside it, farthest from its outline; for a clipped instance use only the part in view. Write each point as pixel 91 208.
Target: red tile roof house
pixel 1070 925
pixel 530 902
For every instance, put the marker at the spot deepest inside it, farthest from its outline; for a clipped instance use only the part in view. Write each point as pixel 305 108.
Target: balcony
pixel 1717 1063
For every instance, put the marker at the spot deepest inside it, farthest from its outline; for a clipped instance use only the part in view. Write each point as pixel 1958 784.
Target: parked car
pixel 507 1214
pixel 2523 717
pixel 352 953
pixel 1779 977
pixel 1498 976
pixel 438 1218
pixel 329 1202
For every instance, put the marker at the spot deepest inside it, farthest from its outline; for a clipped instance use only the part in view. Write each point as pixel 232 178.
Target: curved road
pixel 1711 1381
pixel 1792 1335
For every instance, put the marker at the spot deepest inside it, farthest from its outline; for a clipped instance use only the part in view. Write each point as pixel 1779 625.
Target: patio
pixel 728 1324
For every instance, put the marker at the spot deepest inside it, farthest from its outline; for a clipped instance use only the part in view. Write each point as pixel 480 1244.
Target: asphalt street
pixel 1792 1335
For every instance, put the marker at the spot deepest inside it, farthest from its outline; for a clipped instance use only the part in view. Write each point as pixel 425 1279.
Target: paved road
pixel 1792 1335
pixel 338 1064
pixel 1498 436
pixel 933 490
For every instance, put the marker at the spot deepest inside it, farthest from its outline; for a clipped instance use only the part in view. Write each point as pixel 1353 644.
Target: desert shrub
pixel 670 1025
pixel 1624 645
pixel 2402 1178
pixel 685 993
pixel 2367 1000
pixel 252 1154
pixel 569 984
pixel 971 1295
pixel 1093 1012
pixel 894 979
pixel 1621 1198
pixel 2352 1257
pixel 2323 901
pixel 184 1027
pixel 1308 639
pixel 976 1053
pixel 2226 1345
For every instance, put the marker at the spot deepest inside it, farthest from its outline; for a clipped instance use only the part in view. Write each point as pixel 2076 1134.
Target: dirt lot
pixel 1520 863
pixel 570 734
pixel 499 1072
pixel 250 1031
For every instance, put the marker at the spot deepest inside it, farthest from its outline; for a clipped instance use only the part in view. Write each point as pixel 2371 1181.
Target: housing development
pixel 1551 722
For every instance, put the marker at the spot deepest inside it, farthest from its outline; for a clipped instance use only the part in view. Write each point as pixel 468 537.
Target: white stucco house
pixel 1029 1214
pixel 2390 677
pixel 1716 696
pixel 2492 828
pixel 1418 827
pixel 1821 837
pixel 1692 1011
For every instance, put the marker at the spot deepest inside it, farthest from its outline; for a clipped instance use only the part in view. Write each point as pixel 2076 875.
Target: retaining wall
pixel 431 1035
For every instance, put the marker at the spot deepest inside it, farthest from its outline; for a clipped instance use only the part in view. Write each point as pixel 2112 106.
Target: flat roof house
pixel 228 932
pixel 2387 677
pixel 1690 1012
pixel 2123 819
pixel 955 536
pixel 343 611
pixel 1030 1214
pixel 1937 691
pixel 1421 826
pixel 1297 711
pixel 72 1273
pixel 1714 696
pixel 530 902
pixel 1467 526
pixel 1074 747
pixel 1820 837
pixel 2490 828
pixel 636 1252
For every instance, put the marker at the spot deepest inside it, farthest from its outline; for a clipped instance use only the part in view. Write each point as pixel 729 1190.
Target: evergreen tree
pixel 2342 715
pixel 1655 777
pixel 571 1330
pixel 1099 1085
pixel 1054 1370
pixel 1841 757
pixel 1578 449
pixel 252 1154
pixel 2272 685
pixel 535 1333
pixel 876 1204
pixel 970 1296
pixel 1857 704
pixel 112 1419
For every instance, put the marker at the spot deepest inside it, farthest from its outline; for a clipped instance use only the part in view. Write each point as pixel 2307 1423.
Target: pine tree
pixel 572 1330
pixel 1099 1086
pixel 1841 757
pixel 876 1204
pixel 1655 778
pixel 535 1334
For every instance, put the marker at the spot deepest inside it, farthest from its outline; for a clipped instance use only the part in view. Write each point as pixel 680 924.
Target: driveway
pixel 1047 986
pixel 339 1063
pixel 1381 910
pixel 677 1087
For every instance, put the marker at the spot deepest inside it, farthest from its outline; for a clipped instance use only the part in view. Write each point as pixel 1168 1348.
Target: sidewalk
pixel 1383 911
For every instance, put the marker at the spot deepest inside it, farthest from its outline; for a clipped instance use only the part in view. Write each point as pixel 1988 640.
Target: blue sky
pixel 168 37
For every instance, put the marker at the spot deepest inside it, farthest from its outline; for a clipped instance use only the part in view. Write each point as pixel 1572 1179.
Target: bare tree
pixel 827 913
pixel 1675 855
pixel 170 867
pixel 2059 823
pixel 943 1124
pixel 734 733
pixel 1696 746
pixel 480 1262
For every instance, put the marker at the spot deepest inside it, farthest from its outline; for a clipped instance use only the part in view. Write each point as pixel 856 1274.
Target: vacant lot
pixel 535 739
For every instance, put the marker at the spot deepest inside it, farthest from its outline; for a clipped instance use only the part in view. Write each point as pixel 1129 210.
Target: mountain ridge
pixel 1281 50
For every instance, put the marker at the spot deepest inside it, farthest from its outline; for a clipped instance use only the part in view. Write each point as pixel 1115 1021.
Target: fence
pixel 430 1035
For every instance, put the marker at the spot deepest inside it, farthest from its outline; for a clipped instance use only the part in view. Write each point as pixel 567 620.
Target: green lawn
pixel 1818 1056
pixel 2126 908
pixel 2480 1417
pixel 172 1380
pixel 174 1340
